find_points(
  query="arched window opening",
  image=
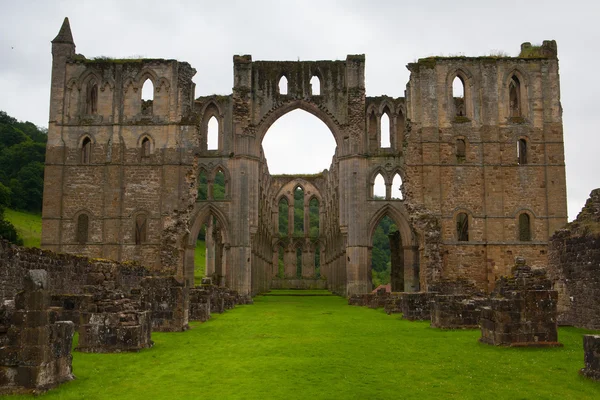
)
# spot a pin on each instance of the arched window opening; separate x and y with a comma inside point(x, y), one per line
point(300, 130)
point(147, 97)
point(397, 188)
point(458, 95)
point(379, 187)
point(83, 222)
point(524, 228)
point(202, 186)
point(283, 85)
point(461, 150)
point(280, 261)
point(315, 86)
point(313, 209)
point(140, 229)
point(283, 216)
point(514, 94)
point(462, 227)
point(92, 99)
point(385, 141)
point(317, 261)
point(522, 151)
point(212, 134)
point(382, 263)
point(218, 187)
point(299, 262)
point(145, 148)
point(86, 151)
point(298, 211)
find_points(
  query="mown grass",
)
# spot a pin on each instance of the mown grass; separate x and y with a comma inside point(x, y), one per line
point(320, 348)
point(28, 225)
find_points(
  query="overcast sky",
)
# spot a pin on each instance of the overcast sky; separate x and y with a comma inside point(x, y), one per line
point(390, 33)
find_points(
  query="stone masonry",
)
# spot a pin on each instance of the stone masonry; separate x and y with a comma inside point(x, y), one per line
point(483, 175)
point(35, 348)
point(591, 351)
point(574, 267)
point(522, 310)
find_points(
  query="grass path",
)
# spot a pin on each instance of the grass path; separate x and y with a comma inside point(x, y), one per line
point(318, 347)
point(28, 225)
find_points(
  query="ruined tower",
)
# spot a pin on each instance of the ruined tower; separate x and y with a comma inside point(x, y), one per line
point(133, 178)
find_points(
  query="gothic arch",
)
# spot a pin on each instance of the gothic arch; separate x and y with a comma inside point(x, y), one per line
point(398, 217)
point(523, 78)
point(327, 118)
point(146, 73)
point(468, 82)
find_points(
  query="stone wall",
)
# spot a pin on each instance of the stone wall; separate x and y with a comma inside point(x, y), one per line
point(591, 357)
point(35, 348)
point(67, 274)
point(574, 267)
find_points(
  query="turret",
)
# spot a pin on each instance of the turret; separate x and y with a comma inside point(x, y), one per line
point(63, 48)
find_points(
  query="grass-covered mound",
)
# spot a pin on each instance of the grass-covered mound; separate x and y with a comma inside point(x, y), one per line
point(317, 347)
point(28, 225)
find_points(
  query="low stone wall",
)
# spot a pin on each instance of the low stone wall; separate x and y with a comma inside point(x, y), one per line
point(416, 307)
point(199, 305)
point(67, 274)
point(304, 283)
point(371, 300)
point(520, 314)
point(591, 357)
point(457, 311)
point(167, 299)
point(35, 352)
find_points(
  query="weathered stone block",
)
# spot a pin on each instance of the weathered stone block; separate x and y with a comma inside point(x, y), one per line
point(591, 356)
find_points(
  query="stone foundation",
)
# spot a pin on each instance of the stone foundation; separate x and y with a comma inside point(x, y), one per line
point(591, 357)
point(416, 307)
point(522, 311)
point(36, 349)
point(168, 302)
point(456, 311)
point(199, 305)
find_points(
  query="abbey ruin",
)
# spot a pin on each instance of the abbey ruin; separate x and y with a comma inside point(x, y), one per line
point(482, 175)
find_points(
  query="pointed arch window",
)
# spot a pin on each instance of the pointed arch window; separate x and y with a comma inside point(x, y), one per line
point(202, 186)
point(92, 98)
point(283, 216)
point(514, 96)
point(81, 235)
point(315, 86)
point(522, 151)
point(218, 187)
point(212, 134)
point(458, 96)
point(462, 227)
point(461, 150)
point(379, 187)
point(299, 211)
point(86, 150)
point(146, 148)
point(283, 85)
point(524, 227)
point(140, 233)
point(384, 140)
point(397, 188)
point(147, 97)
point(313, 210)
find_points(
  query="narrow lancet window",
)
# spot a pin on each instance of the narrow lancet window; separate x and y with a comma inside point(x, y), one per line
point(315, 86)
point(524, 228)
point(147, 97)
point(212, 134)
point(83, 223)
point(283, 85)
point(92, 100)
point(461, 150)
point(397, 188)
point(140, 229)
point(458, 96)
point(379, 187)
point(218, 189)
point(522, 151)
point(145, 148)
point(385, 130)
point(86, 151)
point(514, 94)
point(462, 227)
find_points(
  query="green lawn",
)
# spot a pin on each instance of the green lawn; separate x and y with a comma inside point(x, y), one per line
point(29, 226)
point(320, 348)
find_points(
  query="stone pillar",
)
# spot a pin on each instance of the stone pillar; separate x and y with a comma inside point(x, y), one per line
point(210, 248)
point(291, 219)
point(289, 262)
point(357, 261)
